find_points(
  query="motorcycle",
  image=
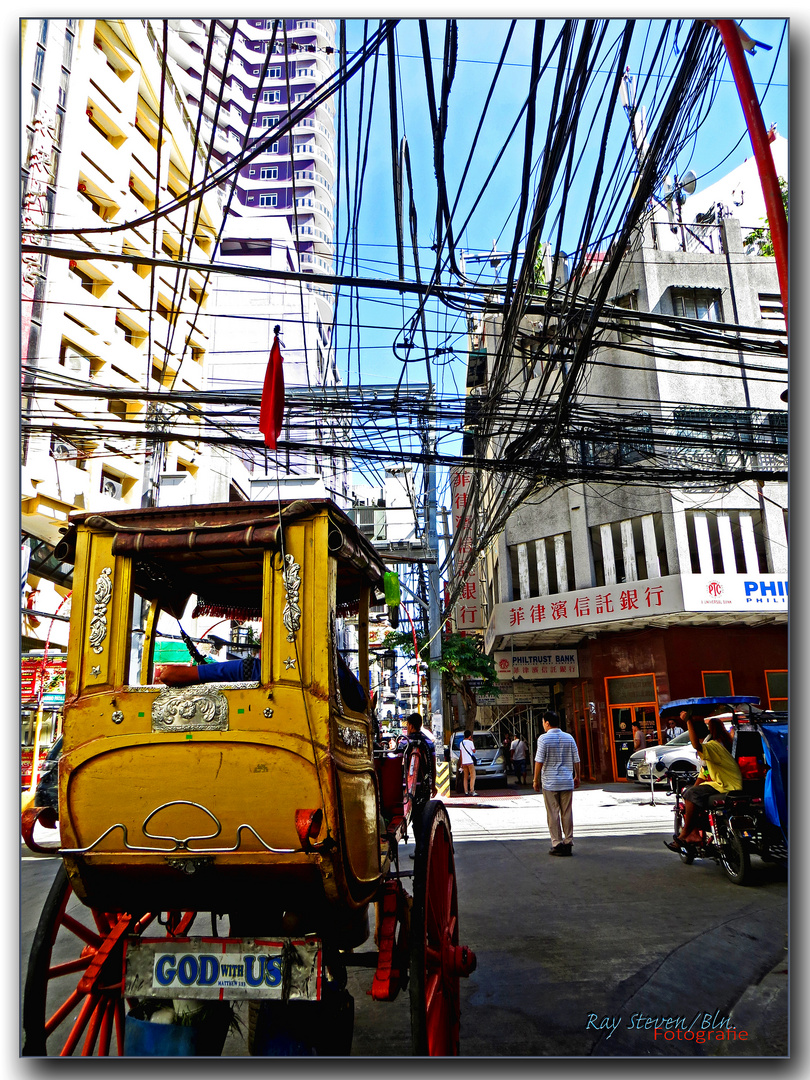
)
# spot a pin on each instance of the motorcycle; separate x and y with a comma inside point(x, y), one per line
point(753, 820)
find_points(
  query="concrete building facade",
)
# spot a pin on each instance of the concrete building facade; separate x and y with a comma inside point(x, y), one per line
point(605, 601)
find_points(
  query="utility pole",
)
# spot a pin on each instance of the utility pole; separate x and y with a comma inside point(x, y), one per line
point(434, 599)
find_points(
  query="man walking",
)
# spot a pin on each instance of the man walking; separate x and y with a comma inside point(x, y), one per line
point(557, 764)
point(520, 756)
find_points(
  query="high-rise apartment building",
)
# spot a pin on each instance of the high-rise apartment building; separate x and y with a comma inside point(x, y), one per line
point(247, 77)
point(106, 138)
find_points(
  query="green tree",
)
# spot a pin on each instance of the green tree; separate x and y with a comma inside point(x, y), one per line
point(762, 235)
point(461, 661)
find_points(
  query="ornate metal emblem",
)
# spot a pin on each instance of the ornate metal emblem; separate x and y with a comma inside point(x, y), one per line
point(95, 670)
point(289, 662)
point(268, 713)
point(292, 586)
point(98, 623)
point(117, 716)
point(351, 737)
point(190, 708)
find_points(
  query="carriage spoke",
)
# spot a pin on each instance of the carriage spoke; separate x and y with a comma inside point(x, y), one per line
point(105, 1031)
point(69, 967)
point(93, 1029)
point(79, 1026)
point(64, 1010)
point(81, 931)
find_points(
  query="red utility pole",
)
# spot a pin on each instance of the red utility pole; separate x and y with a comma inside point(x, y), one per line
point(777, 220)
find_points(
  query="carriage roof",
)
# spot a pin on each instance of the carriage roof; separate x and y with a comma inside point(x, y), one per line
point(215, 550)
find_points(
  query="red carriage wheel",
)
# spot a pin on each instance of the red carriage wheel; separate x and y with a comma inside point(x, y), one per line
point(437, 959)
point(70, 1000)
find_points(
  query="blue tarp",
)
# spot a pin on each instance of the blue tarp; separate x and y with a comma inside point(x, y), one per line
point(775, 747)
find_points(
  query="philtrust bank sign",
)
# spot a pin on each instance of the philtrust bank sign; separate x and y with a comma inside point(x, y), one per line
point(542, 664)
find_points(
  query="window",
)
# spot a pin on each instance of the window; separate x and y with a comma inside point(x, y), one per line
point(270, 121)
point(268, 200)
point(701, 304)
point(717, 683)
point(39, 64)
point(629, 302)
point(635, 439)
point(630, 689)
point(773, 432)
point(273, 148)
point(64, 78)
point(771, 310)
point(269, 172)
point(67, 49)
point(276, 72)
point(777, 683)
point(271, 95)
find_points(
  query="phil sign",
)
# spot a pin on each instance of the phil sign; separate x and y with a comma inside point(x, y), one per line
point(735, 592)
point(537, 665)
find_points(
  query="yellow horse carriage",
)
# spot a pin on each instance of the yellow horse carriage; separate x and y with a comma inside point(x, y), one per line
point(260, 802)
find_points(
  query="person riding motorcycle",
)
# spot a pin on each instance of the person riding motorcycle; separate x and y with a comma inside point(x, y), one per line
point(713, 746)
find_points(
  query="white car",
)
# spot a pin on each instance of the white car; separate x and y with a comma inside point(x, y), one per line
point(678, 752)
point(489, 755)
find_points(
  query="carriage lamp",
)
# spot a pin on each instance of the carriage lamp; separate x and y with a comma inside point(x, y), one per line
point(308, 825)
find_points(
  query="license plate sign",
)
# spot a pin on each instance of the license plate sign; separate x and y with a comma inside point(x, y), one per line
point(221, 969)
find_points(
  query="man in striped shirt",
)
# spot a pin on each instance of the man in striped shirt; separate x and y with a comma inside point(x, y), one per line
point(557, 763)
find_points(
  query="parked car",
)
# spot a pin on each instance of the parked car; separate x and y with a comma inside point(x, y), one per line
point(488, 753)
point(678, 752)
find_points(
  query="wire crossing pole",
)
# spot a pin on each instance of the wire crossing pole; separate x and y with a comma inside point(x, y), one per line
point(730, 33)
point(434, 604)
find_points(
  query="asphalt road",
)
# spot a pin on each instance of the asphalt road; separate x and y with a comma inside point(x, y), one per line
point(574, 955)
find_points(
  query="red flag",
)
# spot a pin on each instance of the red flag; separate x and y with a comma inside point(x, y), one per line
point(271, 414)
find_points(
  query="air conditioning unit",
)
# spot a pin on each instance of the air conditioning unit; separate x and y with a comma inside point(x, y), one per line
point(371, 522)
point(112, 488)
point(77, 364)
point(60, 449)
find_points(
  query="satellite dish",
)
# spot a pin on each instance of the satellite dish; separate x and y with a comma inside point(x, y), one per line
point(689, 182)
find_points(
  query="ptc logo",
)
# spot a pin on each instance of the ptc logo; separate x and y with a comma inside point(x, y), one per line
point(714, 588)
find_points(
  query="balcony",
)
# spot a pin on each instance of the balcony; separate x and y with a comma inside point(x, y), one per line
point(315, 177)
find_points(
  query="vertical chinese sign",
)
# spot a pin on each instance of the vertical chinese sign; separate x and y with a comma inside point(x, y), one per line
point(468, 612)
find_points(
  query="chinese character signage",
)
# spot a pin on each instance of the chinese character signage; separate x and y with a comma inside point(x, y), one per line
point(548, 664)
point(606, 604)
point(467, 612)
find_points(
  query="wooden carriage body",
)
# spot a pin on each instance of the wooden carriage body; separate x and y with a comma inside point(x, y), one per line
point(210, 796)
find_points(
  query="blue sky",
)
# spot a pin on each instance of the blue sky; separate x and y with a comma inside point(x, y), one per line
point(717, 146)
